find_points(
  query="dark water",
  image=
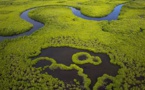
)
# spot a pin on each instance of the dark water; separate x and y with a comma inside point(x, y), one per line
point(83, 57)
point(63, 55)
point(112, 16)
point(42, 63)
point(67, 76)
point(36, 26)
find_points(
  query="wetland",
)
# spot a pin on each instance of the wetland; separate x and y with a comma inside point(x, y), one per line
point(72, 44)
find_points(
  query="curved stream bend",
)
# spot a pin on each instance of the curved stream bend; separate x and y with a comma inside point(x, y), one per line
point(37, 25)
point(112, 16)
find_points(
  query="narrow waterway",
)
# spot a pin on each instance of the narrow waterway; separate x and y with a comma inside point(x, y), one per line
point(37, 25)
point(112, 16)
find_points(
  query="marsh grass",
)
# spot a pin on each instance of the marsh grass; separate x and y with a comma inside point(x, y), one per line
point(96, 10)
point(99, 8)
point(94, 60)
point(120, 39)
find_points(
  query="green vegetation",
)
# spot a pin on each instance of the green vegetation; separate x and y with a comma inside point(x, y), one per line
point(10, 21)
point(99, 8)
point(123, 40)
point(131, 20)
point(101, 80)
point(95, 60)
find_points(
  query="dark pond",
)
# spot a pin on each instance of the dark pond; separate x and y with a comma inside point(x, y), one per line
point(67, 76)
point(64, 55)
point(42, 63)
point(112, 16)
point(83, 57)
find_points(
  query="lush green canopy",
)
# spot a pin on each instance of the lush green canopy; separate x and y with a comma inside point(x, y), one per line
point(123, 40)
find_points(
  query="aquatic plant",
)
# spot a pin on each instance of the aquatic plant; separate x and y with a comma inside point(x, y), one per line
point(95, 60)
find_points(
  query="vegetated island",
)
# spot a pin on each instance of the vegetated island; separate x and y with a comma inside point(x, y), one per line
point(35, 61)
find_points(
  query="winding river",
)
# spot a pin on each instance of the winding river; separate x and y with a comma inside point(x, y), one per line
point(37, 25)
point(112, 16)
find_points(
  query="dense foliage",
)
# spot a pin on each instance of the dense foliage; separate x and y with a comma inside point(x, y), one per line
point(123, 40)
point(99, 8)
